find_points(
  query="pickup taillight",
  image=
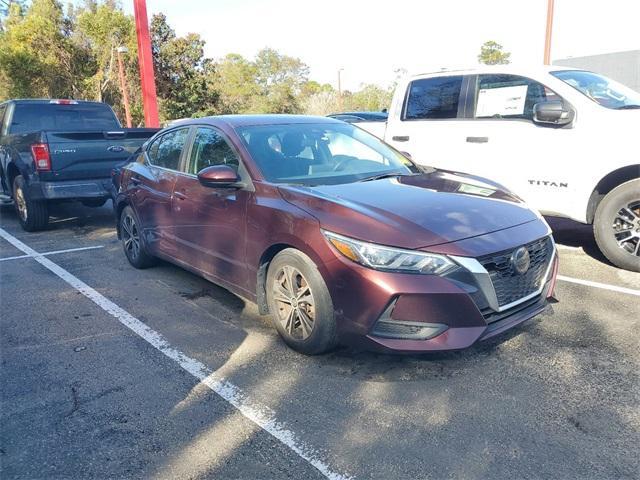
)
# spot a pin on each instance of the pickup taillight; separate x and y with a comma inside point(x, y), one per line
point(41, 157)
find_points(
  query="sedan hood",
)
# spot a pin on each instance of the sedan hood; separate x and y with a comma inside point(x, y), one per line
point(412, 211)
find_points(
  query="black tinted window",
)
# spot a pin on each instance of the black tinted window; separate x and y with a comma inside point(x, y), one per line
point(509, 96)
point(33, 117)
point(165, 151)
point(433, 98)
point(210, 148)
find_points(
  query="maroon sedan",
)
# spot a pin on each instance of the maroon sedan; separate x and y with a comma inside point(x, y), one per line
point(335, 234)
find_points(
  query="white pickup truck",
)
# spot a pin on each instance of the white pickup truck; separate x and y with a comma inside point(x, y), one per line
point(567, 141)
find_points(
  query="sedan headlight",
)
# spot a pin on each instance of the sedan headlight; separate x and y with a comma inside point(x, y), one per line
point(390, 259)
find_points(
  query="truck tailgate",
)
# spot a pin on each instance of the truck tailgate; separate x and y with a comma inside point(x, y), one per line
point(91, 155)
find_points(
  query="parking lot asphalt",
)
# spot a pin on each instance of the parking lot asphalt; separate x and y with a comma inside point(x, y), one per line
point(159, 373)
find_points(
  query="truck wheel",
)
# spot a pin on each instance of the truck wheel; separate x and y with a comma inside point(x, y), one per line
point(132, 242)
point(617, 226)
point(300, 303)
point(32, 214)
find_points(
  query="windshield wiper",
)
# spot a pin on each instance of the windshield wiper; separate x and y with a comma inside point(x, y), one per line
point(386, 175)
point(628, 107)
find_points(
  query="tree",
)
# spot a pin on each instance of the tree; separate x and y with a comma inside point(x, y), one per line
point(322, 103)
point(234, 80)
point(37, 56)
point(271, 83)
point(182, 72)
point(280, 79)
point(46, 51)
point(6, 5)
point(103, 28)
point(491, 54)
point(369, 98)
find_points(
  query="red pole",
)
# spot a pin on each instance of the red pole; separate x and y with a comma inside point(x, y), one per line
point(547, 38)
point(123, 86)
point(145, 61)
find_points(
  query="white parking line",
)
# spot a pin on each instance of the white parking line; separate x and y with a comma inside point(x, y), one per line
point(261, 415)
point(605, 286)
point(55, 252)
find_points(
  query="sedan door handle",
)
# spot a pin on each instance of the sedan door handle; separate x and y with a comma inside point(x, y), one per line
point(136, 180)
point(180, 195)
point(477, 139)
point(400, 138)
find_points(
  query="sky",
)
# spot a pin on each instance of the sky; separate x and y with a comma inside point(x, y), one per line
point(369, 40)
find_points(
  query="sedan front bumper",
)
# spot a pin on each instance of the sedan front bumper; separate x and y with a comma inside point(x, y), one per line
point(456, 312)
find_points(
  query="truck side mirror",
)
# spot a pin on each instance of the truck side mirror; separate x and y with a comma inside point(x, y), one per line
point(552, 113)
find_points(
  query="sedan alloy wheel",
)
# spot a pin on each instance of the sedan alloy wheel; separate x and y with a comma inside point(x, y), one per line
point(295, 303)
point(130, 236)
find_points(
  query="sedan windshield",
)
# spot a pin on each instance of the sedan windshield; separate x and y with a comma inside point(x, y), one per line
point(600, 89)
point(321, 154)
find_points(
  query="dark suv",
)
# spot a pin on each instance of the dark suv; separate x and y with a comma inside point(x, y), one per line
point(336, 234)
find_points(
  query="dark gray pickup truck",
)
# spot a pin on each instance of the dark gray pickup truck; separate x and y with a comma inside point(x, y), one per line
point(57, 150)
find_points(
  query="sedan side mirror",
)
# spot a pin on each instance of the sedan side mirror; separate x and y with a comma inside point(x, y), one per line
point(218, 176)
point(552, 113)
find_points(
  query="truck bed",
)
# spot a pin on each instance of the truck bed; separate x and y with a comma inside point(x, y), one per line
point(81, 155)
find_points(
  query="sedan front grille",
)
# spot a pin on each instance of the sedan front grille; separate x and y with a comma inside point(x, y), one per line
point(511, 286)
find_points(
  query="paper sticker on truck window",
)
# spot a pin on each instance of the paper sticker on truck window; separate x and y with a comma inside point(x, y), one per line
point(502, 101)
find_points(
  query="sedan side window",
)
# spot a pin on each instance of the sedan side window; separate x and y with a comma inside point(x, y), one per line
point(210, 148)
point(165, 151)
point(433, 98)
point(509, 96)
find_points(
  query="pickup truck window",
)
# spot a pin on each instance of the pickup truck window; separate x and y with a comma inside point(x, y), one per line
point(210, 148)
point(167, 149)
point(3, 109)
point(600, 89)
point(5, 121)
point(72, 117)
point(509, 96)
point(433, 98)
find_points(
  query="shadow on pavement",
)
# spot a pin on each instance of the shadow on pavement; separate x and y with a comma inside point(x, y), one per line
point(575, 234)
point(72, 215)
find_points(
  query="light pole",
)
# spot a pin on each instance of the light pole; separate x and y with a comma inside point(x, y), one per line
point(340, 89)
point(547, 38)
point(145, 61)
point(123, 84)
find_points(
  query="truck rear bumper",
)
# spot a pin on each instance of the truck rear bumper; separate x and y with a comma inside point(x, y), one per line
point(71, 189)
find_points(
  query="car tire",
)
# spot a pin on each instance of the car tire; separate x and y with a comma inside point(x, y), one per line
point(94, 202)
point(32, 214)
point(616, 226)
point(297, 293)
point(132, 242)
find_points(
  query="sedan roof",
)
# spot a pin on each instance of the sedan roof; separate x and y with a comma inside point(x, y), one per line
point(267, 119)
